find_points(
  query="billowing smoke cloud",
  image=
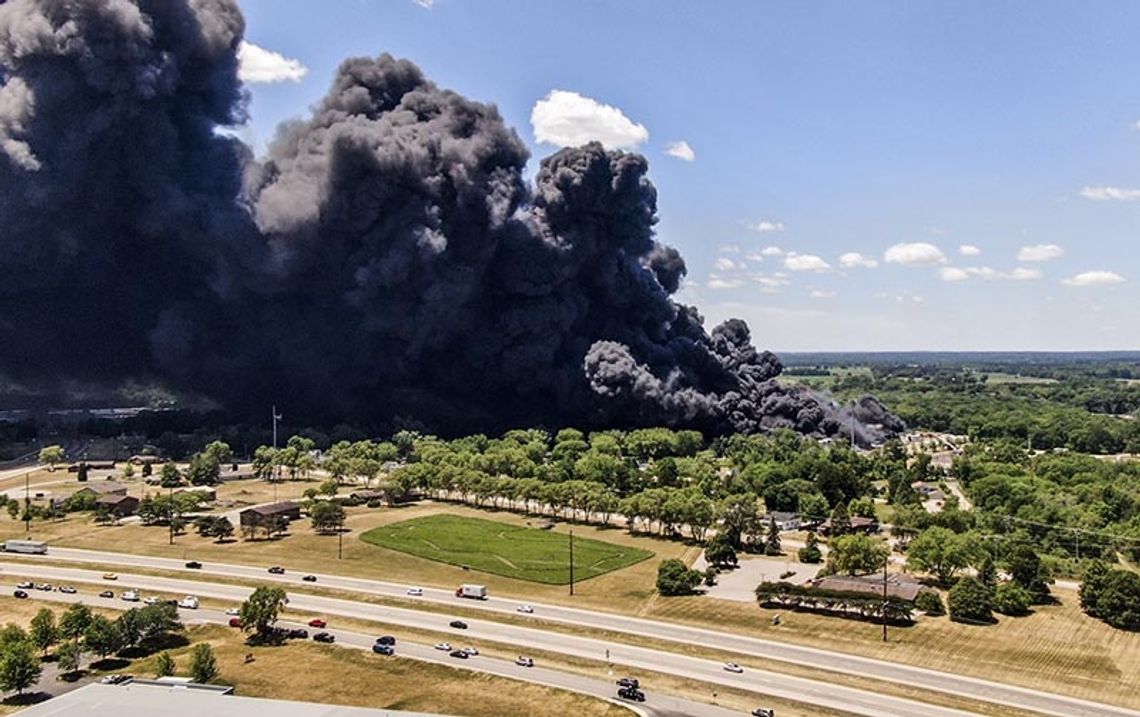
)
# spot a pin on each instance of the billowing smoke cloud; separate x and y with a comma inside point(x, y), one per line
point(385, 261)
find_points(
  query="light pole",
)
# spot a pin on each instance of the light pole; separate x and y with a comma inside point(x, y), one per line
point(27, 504)
point(885, 562)
point(571, 562)
point(170, 512)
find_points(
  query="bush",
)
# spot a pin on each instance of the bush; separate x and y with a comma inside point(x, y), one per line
point(1112, 596)
point(1012, 599)
point(969, 601)
point(810, 553)
point(930, 602)
point(674, 578)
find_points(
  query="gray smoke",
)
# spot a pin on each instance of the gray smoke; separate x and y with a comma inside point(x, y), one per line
point(385, 261)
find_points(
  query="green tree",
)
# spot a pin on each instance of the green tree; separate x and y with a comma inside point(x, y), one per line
point(102, 637)
point(1027, 570)
point(1112, 596)
point(855, 554)
point(719, 552)
point(969, 601)
point(327, 516)
point(675, 578)
point(68, 657)
point(52, 455)
point(1011, 599)
point(19, 667)
point(169, 476)
point(128, 471)
point(259, 612)
point(164, 665)
point(44, 632)
point(840, 521)
point(204, 469)
point(203, 663)
point(74, 621)
point(772, 539)
point(942, 552)
point(810, 553)
point(930, 602)
point(987, 572)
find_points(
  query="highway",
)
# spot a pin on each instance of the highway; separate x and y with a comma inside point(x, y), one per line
point(932, 680)
point(814, 692)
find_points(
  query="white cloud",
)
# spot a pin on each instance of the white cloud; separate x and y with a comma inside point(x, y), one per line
point(719, 283)
point(953, 273)
point(764, 226)
point(969, 250)
point(914, 254)
point(1094, 278)
point(821, 294)
point(567, 119)
point(854, 259)
point(1040, 252)
point(770, 284)
point(681, 150)
point(425, 4)
point(1023, 274)
point(1136, 125)
point(730, 249)
point(726, 264)
point(772, 251)
point(1102, 194)
point(256, 64)
point(805, 262)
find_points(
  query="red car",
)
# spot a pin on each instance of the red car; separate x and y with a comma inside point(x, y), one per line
point(317, 622)
point(235, 622)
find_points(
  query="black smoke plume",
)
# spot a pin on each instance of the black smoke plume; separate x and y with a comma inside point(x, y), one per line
point(386, 259)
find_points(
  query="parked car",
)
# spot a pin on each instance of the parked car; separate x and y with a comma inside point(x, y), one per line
point(445, 646)
point(310, 578)
point(20, 594)
point(233, 611)
point(297, 633)
point(235, 622)
point(524, 661)
point(383, 649)
point(324, 637)
point(763, 712)
point(317, 622)
point(525, 609)
point(25, 585)
point(68, 589)
point(733, 667)
point(115, 679)
point(629, 682)
point(459, 653)
point(194, 565)
point(386, 640)
point(458, 624)
point(107, 594)
point(416, 592)
point(471, 651)
point(110, 576)
point(277, 570)
point(631, 693)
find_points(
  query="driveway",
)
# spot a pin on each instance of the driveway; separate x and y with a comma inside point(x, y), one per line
point(740, 584)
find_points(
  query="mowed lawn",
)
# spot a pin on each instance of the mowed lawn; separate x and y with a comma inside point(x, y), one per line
point(511, 551)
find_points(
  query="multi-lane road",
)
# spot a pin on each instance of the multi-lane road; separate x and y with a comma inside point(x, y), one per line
point(817, 692)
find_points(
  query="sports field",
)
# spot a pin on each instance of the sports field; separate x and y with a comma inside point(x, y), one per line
point(492, 547)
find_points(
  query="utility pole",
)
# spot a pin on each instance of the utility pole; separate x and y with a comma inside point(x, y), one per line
point(276, 418)
point(571, 562)
point(885, 563)
point(27, 504)
point(170, 512)
point(339, 542)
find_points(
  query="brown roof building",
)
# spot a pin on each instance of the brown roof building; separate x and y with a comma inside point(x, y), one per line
point(101, 488)
point(899, 585)
point(119, 505)
point(262, 514)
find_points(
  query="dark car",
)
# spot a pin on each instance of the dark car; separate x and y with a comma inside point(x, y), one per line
point(763, 712)
point(629, 682)
point(107, 594)
point(324, 637)
point(277, 570)
point(310, 578)
point(459, 654)
point(458, 624)
point(631, 693)
point(194, 565)
point(20, 594)
point(383, 649)
point(297, 633)
point(386, 640)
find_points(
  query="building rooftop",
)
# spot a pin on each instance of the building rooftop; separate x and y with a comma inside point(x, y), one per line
point(148, 700)
point(104, 487)
point(898, 585)
point(273, 508)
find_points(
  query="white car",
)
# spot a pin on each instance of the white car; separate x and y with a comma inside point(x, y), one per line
point(733, 667)
point(524, 608)
point(189, 603)
point(148, 600)
point(25, 585)
point(445, 646)
point(234, 611)
point(68, 589)
point(470, 651)
point(524, 661)
point(131, 596)
point(416, 592)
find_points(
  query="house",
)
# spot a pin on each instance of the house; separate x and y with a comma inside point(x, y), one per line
point(785, 522)
point(367, 496)
point(263, 515)
point(859, 524)
point(119, 506)
point(205, 492)
point(899, 585)
point(927, 491)
point(98, 489)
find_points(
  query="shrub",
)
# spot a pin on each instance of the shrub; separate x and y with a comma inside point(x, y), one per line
point(969, 601)
point(930, 602)
point(674, 578)
point(1012, 599)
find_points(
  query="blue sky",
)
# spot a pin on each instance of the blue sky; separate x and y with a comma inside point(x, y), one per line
point(837, 155)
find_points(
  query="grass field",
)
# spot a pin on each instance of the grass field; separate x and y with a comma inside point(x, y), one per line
point(510, 551)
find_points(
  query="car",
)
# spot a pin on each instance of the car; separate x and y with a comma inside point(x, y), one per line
point(46, 587)
point(416, 592)
point(20, 594)
point(631, 693)
point(310, 578)
point(383, 649)
point(524, 661)
point(150, 600)
point(386, 640)
point(733, 667)
point(317, 622)
point(233, 611)
point(458, 624)
point(25, 585)
point(297, 633)
point(629, 682)
point(68, 589)
point(471, 651)
point(277, 570)
point(130, 596)
point(110, 576)
point(459, 653)
point(194, 565)
point(235, 622)
point(324, 637)
point(524, 609)
point(115, 679)
point(107, 594)
point(445, 646)
point(188, 603)
point(763, 712)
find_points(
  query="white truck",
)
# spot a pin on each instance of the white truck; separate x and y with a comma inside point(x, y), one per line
point(189, 603)
point(475, 592)
point(31, 547)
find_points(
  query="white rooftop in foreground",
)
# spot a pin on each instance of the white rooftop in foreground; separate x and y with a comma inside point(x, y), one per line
point(134, 700)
